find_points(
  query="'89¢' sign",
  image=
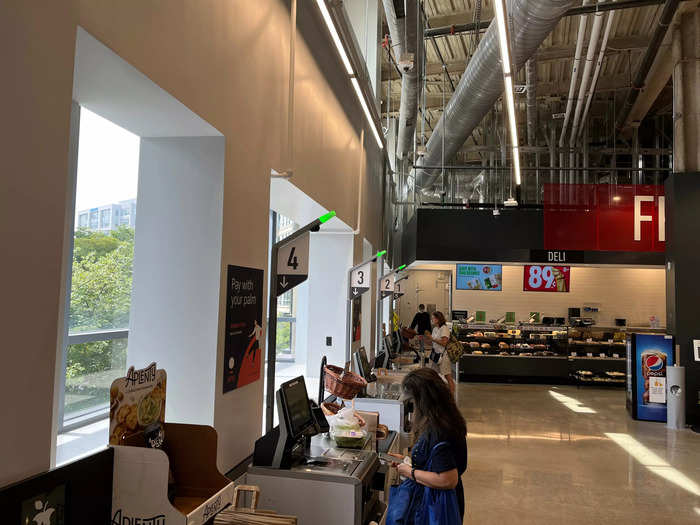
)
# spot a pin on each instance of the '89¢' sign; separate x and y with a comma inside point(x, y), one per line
point(545, 278)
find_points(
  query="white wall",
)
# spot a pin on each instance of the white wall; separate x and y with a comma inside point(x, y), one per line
point(426, 287)
point(175, 302)
point(330, 257)
point(631, 293)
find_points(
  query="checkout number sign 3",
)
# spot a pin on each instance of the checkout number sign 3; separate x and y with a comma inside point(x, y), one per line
point(292, 263)
point(360, 279)
point(388, 283)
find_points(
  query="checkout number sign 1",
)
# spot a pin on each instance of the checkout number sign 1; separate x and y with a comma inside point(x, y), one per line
point(292, 263)
point(541, 278)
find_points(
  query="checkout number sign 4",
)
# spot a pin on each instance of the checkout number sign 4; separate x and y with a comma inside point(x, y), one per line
point(292, 263)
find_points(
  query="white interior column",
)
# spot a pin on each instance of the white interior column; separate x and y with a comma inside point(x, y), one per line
point(177, 268)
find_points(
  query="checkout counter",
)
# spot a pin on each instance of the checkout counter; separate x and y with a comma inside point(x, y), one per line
point(383, 392)
point(301, 471)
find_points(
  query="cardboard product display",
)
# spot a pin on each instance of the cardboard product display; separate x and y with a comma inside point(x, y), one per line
point(187, 460)
point(136, 401)
point(236, 515)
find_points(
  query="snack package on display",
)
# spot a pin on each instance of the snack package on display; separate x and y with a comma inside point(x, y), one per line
point(136, 401)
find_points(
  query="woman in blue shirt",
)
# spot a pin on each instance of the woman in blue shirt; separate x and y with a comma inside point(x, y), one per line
point(437, 419)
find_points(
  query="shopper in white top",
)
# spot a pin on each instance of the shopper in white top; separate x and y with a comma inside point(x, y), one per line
point(439, 360)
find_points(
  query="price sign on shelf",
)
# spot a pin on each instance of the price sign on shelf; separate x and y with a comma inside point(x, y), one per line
point(545, 278)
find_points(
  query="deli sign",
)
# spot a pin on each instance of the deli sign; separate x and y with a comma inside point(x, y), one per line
point(604, 217)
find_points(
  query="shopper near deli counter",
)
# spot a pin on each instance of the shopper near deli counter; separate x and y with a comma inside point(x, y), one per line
point(439, 360)
point(439, 457)
point(421, 321)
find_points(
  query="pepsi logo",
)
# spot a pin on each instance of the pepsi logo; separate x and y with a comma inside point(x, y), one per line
point(654, 363)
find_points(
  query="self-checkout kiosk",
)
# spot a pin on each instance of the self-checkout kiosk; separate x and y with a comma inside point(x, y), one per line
point(303, 473)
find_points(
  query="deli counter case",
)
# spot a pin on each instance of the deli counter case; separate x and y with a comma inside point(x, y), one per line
point(560, 354)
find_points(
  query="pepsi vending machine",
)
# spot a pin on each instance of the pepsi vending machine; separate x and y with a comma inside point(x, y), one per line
point(648, 355)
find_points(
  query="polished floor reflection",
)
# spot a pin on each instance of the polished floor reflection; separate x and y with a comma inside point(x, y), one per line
point(558, 454)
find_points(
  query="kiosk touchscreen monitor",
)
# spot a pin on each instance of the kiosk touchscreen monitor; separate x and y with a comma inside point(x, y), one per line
point(362, 364)
point(297, 410)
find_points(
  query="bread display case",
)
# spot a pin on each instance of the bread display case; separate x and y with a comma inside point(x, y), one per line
point(593, 355)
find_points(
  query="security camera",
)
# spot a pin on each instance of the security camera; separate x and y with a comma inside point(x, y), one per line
point(407, 62)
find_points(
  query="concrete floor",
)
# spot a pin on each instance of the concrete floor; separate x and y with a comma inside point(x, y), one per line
point(544, 454)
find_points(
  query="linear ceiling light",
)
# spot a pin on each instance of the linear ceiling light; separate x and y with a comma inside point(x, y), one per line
point(503, 44)
point(335, 36)
point(361, 98)
point(348, 68)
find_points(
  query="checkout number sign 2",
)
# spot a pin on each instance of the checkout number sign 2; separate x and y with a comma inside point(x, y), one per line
point(540, 278)
point(387, 286)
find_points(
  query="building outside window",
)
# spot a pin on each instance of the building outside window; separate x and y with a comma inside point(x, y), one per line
point(102, 261)
point(105, 219)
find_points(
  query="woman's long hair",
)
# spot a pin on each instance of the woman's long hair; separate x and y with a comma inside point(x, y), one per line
point(435, 409)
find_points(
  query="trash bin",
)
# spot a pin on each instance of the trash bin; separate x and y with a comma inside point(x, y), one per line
point(675, 397)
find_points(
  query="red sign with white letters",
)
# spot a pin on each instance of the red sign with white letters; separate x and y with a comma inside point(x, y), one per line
point(543, 278)
point(604, 217)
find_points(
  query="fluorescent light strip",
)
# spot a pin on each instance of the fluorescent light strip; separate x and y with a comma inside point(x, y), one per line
point(334, 35)
point(508, 84)
point(502, 35)
point(368, 115)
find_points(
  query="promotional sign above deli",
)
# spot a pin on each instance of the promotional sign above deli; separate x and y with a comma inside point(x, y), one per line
point(604, 217)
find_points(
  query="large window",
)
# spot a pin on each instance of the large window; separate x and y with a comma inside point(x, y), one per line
point(101, 277)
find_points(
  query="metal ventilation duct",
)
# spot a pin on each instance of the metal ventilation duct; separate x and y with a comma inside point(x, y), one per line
point(412, 46)
point(482, 82)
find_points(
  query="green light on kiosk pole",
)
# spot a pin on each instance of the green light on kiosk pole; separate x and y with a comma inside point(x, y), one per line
point(379, 254)
point(401, 267)
point(327, 217)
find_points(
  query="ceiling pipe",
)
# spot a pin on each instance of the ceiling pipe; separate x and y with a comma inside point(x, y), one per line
point(394, 33)
point(412, 45)
point(657, 38)
point(574, 78)
point(574, 11)
point(598, 67)
point(482, 82)
point(531, 82)
point(590, 55)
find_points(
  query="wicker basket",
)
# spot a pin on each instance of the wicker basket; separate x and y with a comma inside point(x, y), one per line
point(342, 384)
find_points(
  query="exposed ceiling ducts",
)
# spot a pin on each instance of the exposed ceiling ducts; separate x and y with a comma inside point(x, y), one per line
point(482, 82)
point(407, 44)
